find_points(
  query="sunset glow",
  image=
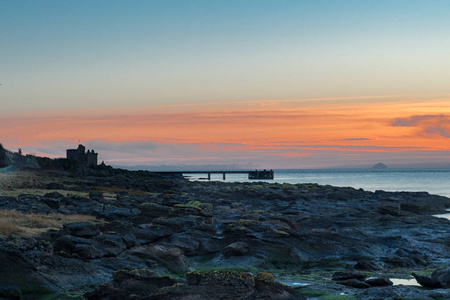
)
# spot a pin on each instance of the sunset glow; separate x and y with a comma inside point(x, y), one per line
point(281, 133)
point(262, 84)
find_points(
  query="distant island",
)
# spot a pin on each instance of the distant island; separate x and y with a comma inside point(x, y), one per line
point(380, 166)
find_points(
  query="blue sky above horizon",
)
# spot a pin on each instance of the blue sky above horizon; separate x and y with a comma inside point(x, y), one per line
point(110, 59)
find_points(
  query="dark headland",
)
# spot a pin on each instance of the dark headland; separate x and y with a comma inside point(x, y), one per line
point(380, 166)
point(70, 231)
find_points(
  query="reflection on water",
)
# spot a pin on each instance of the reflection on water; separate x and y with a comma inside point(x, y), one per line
point(411, 281)
point(445, 216)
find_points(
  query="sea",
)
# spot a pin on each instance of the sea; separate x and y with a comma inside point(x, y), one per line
point(433, 181)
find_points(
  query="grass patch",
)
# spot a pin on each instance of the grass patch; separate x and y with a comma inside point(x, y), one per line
point(14, 222)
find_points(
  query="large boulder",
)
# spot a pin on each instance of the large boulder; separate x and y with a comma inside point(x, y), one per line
point(236, 249)
point(440, 278)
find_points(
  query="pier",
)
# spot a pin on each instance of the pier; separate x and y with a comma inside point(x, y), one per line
point(255, 175)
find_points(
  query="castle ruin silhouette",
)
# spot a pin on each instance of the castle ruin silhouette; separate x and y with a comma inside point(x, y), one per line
point(80, 154)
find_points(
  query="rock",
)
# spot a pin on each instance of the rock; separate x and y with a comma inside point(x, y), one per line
point(223, 284)
point(378, 281)
point(188, 244)
point(54, 186)
point(236, 249)
point(141, 282)
point(146, 233)
point(10, 292)
point(82, 229)
point(96, 195)
point(355, 283)
point(426, 281)
point(150, 211)
point(111, 244)
point(366, 265)
point(340, 276)
point(106, 291)
point(166, 254)
point(131, 284)
point(442, 276)
point(72, 245)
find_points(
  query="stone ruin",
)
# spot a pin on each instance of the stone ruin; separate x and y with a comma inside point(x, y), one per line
point(80, 154)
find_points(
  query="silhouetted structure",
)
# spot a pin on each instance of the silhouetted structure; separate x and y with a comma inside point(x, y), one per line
point(80, 154)
point(251, 174)
point(260, 174)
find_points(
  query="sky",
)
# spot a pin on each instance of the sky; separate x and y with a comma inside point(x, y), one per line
point(228, 84)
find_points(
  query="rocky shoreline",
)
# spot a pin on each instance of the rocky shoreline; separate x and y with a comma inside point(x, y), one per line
point(157, 237)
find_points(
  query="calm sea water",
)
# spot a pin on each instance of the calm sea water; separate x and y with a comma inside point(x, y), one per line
point(433, 181)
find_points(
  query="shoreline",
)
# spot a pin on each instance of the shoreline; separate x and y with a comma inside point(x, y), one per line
point(296, 232)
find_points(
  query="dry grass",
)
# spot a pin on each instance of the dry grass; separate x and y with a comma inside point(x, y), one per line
point(7, 228)
point(13, 222)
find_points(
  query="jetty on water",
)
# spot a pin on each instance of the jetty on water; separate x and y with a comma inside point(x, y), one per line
point(255, 175)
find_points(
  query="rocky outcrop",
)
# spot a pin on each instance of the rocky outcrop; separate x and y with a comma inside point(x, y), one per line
point(150, 227)
point(220, 285)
